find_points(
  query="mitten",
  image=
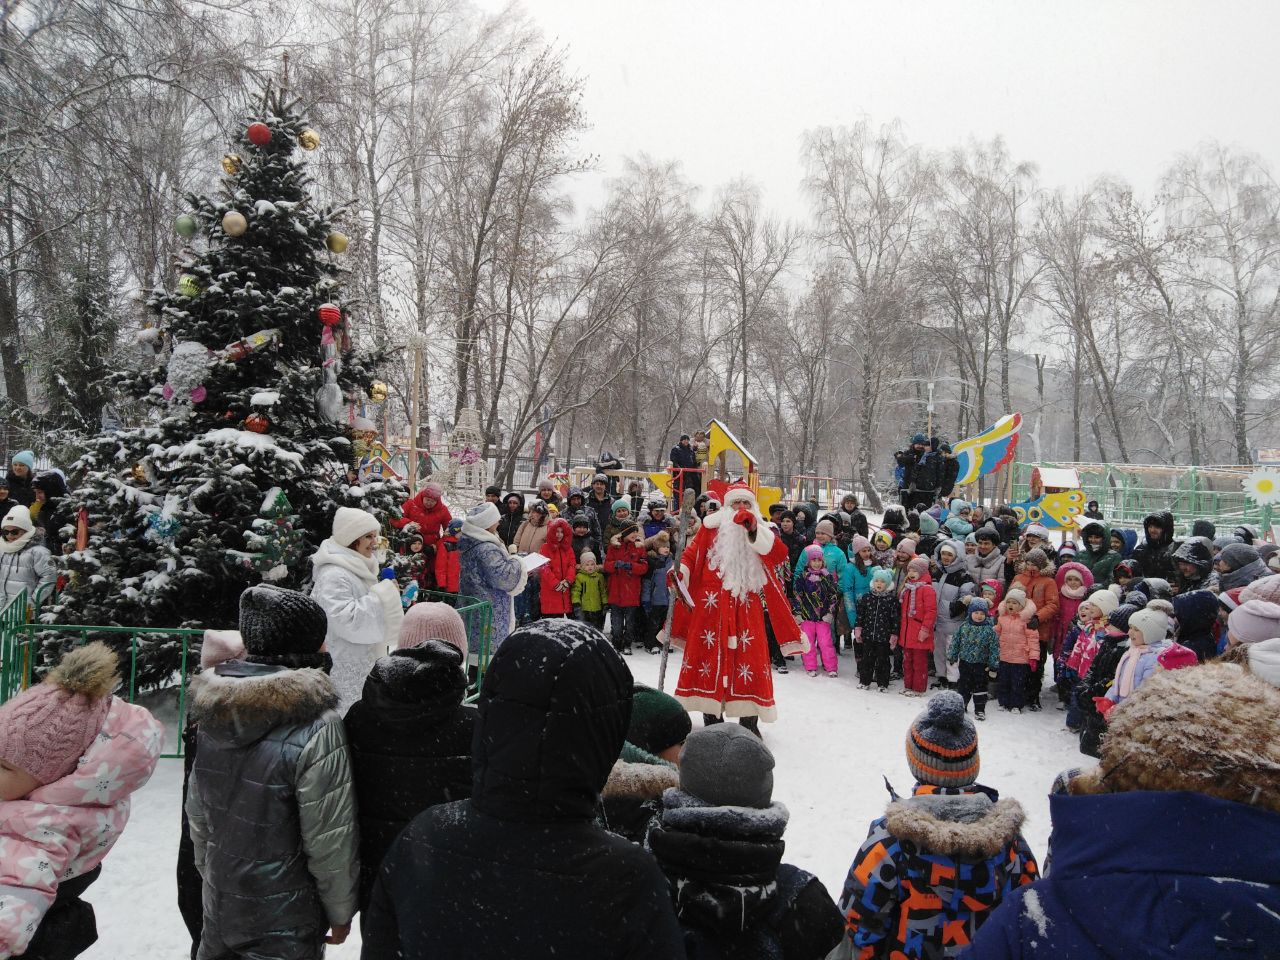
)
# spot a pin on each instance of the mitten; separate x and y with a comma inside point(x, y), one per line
point(1104, 706)
point(747, 519)
point(1034, 622)
point(1033, 664)
point(386, 573)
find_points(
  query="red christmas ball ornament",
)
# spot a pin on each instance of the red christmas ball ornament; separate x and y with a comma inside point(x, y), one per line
point(330, 314)
point(256, 423)
point(259, 134)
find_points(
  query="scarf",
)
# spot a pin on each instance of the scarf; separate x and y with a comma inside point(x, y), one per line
point(911, 587)
point(1073, 594)
point(334, 554)
point(1242, 576)
point(17, 546)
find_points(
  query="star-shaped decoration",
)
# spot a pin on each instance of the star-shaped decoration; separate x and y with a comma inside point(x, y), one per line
point(745, 639)
point(704, 670)
point(709, 638)
point(744, 673)
point(710, 600)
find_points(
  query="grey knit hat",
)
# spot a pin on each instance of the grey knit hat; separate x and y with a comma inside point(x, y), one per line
point(280, 623)
point(726, 766)
point(942, 744)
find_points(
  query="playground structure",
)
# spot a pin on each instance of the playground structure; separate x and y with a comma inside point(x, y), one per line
point(1127, 493)
point(720, 444)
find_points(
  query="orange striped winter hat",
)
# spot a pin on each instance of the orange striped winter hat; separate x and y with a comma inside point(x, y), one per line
point(942, 744)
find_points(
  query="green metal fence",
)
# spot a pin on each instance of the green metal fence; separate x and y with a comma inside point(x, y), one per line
point(1129, 492)
point(20, 642)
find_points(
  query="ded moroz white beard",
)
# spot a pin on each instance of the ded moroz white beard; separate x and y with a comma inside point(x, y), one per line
point(733, 557)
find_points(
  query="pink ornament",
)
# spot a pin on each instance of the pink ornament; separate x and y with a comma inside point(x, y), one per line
point(198, 394)
point(168, 392)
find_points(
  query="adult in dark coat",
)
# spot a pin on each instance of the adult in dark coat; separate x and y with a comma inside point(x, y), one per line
point(57, 516)
point(1155, 554)
point(520, 869)
point(1170, 847)
point(1099, 678)
point(21, 478)
point(410, 740)
point(600, 504)
point(684, 457)
point(512, 517)
point(719, 841)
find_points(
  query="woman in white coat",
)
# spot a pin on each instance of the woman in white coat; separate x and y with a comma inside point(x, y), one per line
point(364, 612)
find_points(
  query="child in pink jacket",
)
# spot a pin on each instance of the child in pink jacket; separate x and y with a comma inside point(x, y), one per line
point(71, 755)
point(1019, 649)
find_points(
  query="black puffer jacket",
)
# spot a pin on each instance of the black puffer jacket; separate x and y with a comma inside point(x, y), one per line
point(410, 742)
point(734, 896)
point(520, 869)
point(511, 519)
point(1155, 557)
point(1095, 684)
point(271, 810)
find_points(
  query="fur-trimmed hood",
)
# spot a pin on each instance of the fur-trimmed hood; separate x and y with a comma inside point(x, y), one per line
point(1026, 613)
point(684, 811)
point(639, 781)
point(964, 826)
point(241, 702)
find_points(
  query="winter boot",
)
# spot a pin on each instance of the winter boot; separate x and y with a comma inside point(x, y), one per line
point(752, 724)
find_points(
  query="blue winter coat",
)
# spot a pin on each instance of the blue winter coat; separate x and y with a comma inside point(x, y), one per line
point(487, 571)
point(853, 585)
point(1147, 874)
point(654, 591)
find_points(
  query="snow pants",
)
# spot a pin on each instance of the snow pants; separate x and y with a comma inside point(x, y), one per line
point(943, 631)
point(1011, 684)
point(819, 634)
point(873, 662)
point(973, 683)
point(915, 669)
point(625, 626)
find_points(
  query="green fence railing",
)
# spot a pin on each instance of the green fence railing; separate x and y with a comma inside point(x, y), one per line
point(20, 642)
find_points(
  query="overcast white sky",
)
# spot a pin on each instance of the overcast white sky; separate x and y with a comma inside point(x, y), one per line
point(1080, 88)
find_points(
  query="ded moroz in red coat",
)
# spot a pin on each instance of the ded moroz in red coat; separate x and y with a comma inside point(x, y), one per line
point(726, 669)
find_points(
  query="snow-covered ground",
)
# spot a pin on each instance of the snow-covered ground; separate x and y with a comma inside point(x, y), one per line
point(833, 742)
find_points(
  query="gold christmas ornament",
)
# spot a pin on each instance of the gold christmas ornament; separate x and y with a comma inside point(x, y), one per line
point(337, 242)
point(378, 391)
point(234, 224)
point(231, 164)
point(308, 139)
point(139, 474)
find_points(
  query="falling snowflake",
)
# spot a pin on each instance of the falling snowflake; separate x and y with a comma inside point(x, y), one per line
point(710, 600)
point(744, 673)
point(709, 638)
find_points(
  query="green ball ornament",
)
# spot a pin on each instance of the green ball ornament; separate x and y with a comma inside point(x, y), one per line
point(185, 226)
point(188, 285)
point(234, 223)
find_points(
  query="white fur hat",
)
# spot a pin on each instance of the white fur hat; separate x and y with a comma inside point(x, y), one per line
point(350, 524)
point(484, 516)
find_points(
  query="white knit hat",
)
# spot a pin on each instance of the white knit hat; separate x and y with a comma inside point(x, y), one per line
point(1104, 600)
point(350, 524)
point(20, 517)
point(1153, 624)
point(484, 516)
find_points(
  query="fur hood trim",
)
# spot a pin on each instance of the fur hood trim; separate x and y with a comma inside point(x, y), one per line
point(966, 826)
point(642, 781)
point(242, 701)
point(1026, 613)
point(684, 811)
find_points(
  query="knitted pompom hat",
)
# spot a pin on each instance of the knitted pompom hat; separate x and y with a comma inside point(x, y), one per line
point(1151, 623)
point(350, 524)
point(1119, 617)
point(658, 721)
point(942, 744)
point(883, 574)
point(1104, 600)
point(46, 729)
point(278, 625)
point(813, 550)
point(919, 564)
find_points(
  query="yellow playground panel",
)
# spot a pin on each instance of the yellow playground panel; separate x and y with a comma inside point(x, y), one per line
point(720, 443)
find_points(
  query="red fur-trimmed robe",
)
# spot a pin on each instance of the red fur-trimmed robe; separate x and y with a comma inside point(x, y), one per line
point(726, 669)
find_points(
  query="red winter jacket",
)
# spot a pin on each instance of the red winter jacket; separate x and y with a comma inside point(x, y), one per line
point(431, 522)
point(561, 567)
point(448, 564)
point(916, 629)
point(624, 585)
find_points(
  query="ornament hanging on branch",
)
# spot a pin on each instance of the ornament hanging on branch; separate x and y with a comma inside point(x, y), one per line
point(275, 540)
point(234, 223)
point(257, 423)
point(330, 314)
point(185, 226)
point(231, 164)
point(337, 242)
point(378, 392)
point(189, 286)
point(259, 134)
point(250, 344)
point(308, 139)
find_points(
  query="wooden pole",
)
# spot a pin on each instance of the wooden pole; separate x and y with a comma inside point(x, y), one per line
point(415, 418)
point(682, 538)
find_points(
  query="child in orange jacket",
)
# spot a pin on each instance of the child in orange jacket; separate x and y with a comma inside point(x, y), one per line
point(919, 604)
point(1019, 649)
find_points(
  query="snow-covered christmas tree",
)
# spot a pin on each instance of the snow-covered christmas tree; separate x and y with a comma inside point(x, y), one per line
point(245, 458)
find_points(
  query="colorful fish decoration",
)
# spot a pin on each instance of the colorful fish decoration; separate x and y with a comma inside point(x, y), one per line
point(1054, 511)
point(988, 451)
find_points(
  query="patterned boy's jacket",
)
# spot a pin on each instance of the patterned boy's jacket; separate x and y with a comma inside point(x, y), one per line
point(975, 643)
point(65, 828)
point(931, 871)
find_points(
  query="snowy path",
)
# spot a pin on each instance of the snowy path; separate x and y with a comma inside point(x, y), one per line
point(833, 744)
